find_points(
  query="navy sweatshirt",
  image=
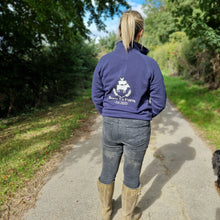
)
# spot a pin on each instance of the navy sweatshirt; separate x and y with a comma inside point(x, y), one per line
point(128, 84)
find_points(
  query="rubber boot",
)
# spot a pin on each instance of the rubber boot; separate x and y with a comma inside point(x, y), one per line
point(105, 196)
point(129, 201)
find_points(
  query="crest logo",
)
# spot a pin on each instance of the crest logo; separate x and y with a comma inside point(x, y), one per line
point(123, 89)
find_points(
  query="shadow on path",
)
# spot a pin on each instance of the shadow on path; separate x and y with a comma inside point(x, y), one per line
point(217, 217)
point(168, 161)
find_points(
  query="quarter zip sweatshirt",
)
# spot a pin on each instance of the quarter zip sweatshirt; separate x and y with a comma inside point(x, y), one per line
point(128, 84)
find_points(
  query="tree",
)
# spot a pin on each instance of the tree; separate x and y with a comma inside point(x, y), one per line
point(109, 42)
point(26, 24)
point(159, 23)
point(32, 32)
point(199, 19)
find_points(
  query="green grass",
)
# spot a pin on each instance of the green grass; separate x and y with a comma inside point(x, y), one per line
point(198, 104)
point(26, 142)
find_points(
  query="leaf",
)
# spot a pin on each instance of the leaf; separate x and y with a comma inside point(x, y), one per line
point(4, 177)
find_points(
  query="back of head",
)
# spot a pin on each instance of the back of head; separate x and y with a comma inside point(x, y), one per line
point(131, 24)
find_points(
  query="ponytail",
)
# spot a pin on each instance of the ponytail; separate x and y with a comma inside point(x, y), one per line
point(131, 24)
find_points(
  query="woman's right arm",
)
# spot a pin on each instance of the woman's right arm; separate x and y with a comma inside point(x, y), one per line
point(97, 89)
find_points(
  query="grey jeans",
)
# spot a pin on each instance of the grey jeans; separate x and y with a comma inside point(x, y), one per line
point(128, 137)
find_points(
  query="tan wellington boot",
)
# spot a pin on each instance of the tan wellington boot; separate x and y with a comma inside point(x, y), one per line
point(105, 196)
point(129, 201)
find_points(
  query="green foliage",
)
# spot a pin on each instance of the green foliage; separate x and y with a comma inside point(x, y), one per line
point(193, 62)
point(46, 76)
point(29, 22)
point(195, 56)
point(166, 54)
point(199, 19)
point(108, 43)
point(43, 51)
point(184, 57)
point(159, 23)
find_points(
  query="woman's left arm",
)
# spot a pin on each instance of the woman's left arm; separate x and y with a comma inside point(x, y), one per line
point(157, 91)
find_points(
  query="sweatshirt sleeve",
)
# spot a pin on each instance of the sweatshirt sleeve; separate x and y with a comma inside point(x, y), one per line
point(97, 89)
point(157, 91)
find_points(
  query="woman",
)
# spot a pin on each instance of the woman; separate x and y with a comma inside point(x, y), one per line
point(128, 91)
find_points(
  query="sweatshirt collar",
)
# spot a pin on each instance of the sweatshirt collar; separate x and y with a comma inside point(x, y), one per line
point(137, 46)
point(141, 48)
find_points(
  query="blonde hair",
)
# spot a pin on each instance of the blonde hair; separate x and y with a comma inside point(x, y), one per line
point(131, 23)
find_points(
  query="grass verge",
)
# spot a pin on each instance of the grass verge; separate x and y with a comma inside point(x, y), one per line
point(198, 104)
point(26, 142)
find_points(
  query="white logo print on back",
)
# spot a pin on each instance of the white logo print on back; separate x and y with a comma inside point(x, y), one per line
point(123, 89)
point(122, 92)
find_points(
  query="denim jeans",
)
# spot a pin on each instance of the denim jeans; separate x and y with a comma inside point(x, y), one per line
point(128, 137)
